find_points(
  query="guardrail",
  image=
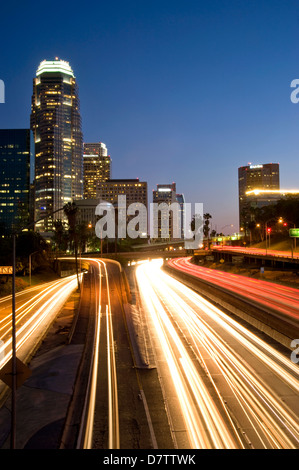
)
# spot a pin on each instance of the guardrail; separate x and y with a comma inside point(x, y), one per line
point(275, 325)
point(272, 257)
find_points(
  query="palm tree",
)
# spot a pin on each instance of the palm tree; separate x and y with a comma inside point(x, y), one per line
point(58, 235)
point(206, 227)
point(83, 232)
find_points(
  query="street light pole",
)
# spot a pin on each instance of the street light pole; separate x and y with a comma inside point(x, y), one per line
point(293, 240)
point(14, 356)
point(13, 333)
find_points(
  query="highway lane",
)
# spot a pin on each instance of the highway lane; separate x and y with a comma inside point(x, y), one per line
point(257, 251)
point(280, 298)
point(224, 386)
point(101, 408)
point(110, 366)
point(36, 308)
point(115, 415)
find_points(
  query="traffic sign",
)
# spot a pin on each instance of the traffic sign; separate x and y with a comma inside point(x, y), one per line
point(5, 269)
point(294, 232)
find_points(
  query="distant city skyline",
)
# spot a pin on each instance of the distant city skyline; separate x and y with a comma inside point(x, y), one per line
point(178, 91)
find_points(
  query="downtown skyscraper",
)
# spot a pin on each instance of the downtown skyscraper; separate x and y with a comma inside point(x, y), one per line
point(56, 125)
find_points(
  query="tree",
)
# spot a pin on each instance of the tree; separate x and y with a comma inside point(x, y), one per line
point(84, 234)
point(59, 235)
point(288, 209)
point(206, 227)
point(196, 222)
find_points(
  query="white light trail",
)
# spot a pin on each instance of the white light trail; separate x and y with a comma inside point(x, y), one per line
point(90, 405)
point(33, 314)
point(206, 427)
point(215, 335)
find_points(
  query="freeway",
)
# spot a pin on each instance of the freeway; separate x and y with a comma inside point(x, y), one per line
point(257, 251)
point(224, 387)
point(102, 394)
point(280, 298)
point(115, 414)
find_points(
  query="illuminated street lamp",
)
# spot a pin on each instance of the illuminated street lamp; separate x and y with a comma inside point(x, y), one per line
point(286, 222)
point(280, 221)
point(293, 240)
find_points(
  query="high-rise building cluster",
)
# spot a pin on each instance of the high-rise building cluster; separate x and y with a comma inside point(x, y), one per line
point(48, 165)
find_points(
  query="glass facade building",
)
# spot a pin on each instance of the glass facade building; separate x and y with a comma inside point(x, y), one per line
point(56, 125)
point(16, 178)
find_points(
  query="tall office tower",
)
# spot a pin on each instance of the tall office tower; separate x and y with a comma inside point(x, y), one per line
point(164, 220)
point(97, 168)
point(56, 125)
point(253, 177)
point(16, 177)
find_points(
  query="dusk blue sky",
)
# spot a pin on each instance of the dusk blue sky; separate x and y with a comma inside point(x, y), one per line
point(183, 91)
